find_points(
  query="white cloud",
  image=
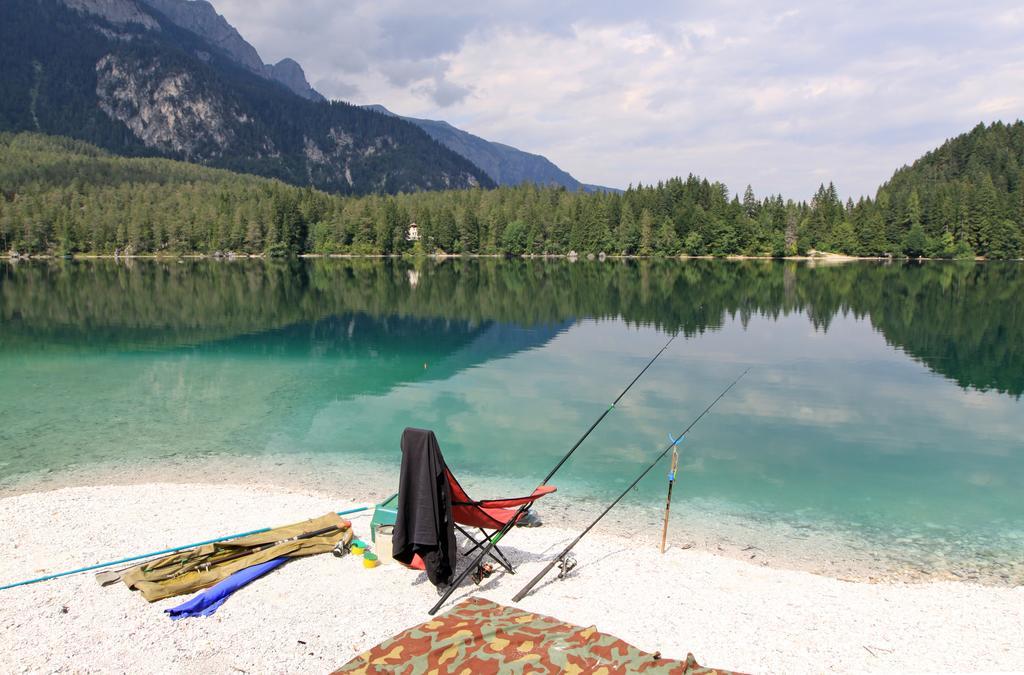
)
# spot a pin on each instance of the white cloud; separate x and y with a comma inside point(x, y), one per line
point(999, 105)
point(770, 94)
point(1012, 18)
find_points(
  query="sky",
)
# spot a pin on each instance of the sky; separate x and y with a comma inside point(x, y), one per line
point(779, 95)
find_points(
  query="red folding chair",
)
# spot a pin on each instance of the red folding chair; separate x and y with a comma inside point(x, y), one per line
point(487, 514)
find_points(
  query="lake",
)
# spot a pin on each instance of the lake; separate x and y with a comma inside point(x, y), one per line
point(878, 430)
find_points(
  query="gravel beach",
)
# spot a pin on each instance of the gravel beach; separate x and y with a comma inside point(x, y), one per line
point(729, 613)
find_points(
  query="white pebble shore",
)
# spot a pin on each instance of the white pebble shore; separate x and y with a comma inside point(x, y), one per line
point(313, 615)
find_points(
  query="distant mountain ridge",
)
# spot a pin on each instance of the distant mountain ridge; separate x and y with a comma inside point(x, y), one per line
point(505, 164)
point(177, 110)
point(125, 76)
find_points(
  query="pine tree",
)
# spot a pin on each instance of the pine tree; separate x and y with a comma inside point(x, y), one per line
point(750, 205)
point(646, 233)
point(444, 230)
point(253, 235)
point(792, 230)
point(694, 244)
point(577, 227)
point(983, 214)
point(872, 235)
point(1005, 240)
point(469, 231)
point(666, 241)
point(1019, 216)
point(6, 223)
point(915, 243)
point(947, 245)
point(961, 227)
point(913, 210)
point(514, 238)
point(844, 239)
point(628, 232)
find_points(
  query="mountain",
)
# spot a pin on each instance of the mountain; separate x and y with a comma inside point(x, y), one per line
point(199, 17)
point(124, 76)
point(503, 163)
point(970, 190)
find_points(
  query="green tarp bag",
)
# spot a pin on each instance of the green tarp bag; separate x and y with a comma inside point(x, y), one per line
point(199, 568)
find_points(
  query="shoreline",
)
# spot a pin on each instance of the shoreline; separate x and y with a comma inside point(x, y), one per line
point(316, 613)
point(820, 256)
point(822, 549)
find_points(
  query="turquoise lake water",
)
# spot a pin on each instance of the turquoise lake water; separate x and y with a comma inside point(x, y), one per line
point(883, 400)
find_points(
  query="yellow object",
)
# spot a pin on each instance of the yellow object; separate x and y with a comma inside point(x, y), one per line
point(369, 560)
point(357, 550)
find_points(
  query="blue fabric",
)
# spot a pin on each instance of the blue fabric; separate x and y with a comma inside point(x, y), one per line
point(207, 602)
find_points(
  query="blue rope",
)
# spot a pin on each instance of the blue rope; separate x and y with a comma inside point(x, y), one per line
point(166, 551)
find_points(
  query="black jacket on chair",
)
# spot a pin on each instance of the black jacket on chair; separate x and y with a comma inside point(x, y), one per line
point(424, 523)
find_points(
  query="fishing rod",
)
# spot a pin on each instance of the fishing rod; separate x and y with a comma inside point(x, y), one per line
point(561, 556)
point(154, 554)
point(245, 552)
point(494, 539)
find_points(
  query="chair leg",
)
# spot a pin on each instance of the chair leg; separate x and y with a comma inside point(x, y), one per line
point(499, 558)
point(497, 551)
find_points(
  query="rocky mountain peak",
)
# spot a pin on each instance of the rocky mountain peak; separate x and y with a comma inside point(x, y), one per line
point(118, 12)
point(289, 73)
point(378, 108)
point(201, 18)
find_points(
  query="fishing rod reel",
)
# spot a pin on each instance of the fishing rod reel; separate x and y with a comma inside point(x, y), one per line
point(565, 565)
point(481, 572)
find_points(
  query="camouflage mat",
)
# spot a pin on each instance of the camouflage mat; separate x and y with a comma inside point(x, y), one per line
point(479, 636)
